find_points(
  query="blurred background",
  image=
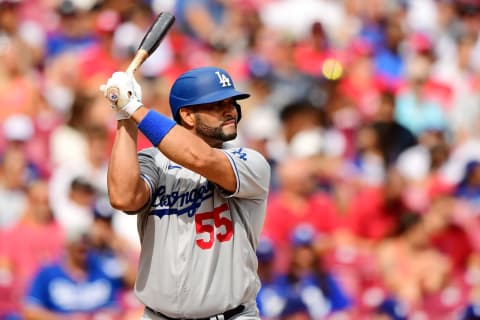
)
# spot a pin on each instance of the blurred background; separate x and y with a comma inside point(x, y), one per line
point(367, 110)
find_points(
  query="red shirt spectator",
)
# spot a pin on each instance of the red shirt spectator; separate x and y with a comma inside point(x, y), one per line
point(29, 246)
point(297, 202)
point(284, 215)
point(372, 216)
point(97, 62)
point(454, 242)
point(33, 241)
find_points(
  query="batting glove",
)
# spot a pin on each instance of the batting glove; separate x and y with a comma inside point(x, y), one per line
point(129, 94)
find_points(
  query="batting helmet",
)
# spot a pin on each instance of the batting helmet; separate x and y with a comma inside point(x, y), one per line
point(203, 85)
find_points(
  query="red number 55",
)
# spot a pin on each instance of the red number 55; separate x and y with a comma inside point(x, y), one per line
point(210, 224)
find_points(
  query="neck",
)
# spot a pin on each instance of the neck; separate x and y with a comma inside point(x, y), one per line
point(214, 143)
point(76, 269)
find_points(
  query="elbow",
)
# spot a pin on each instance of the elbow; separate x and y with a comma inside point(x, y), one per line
point(128, 196)
point(118, 203)
point(122, 202)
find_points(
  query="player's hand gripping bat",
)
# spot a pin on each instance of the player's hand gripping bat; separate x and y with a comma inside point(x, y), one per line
point(150, 42)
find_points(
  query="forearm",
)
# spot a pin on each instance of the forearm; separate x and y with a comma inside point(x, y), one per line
point(187, 149)
point(124, 182)
point(192, 152)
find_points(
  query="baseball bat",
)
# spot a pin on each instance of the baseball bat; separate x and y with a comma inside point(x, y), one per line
point(150, 42)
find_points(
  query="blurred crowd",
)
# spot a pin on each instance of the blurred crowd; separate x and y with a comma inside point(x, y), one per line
point(367, 110)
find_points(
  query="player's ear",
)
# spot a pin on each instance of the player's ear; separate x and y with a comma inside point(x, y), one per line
point(187, 116)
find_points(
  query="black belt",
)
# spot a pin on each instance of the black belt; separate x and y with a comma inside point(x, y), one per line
point(221, 316)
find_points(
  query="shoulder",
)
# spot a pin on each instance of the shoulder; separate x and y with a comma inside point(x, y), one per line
point(152, 155)
point(149, 152)
point(49, 271)
point(246, 154)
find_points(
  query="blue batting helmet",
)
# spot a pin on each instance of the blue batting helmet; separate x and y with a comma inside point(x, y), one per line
point(203, 85)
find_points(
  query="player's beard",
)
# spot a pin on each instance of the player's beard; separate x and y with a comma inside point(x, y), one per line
point(217, 134)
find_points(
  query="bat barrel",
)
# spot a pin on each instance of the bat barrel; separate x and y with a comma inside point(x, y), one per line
point(148, 45)
point(157, 32)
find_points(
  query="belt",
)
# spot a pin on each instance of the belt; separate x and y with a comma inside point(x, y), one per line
point(221, 316)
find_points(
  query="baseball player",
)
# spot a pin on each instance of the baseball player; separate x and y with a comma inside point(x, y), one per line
point(200, 204)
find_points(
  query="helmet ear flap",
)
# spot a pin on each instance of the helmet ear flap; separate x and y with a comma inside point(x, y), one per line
point(239, 110)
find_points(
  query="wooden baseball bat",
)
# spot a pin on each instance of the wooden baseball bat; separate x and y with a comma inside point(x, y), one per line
point(150, 42)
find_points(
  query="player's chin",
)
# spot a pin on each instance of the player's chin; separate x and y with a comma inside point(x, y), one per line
point(229, 135)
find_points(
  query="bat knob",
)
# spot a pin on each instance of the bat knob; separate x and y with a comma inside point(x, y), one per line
point(113, 97)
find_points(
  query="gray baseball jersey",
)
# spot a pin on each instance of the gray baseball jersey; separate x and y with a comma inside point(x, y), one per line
point(198, 242)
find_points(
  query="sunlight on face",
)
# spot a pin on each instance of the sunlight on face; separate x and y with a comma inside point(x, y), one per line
point(216, 121)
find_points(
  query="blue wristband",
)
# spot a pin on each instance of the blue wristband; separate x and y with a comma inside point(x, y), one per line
point(155, 126)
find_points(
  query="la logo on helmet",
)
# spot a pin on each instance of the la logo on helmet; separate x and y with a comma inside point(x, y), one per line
point(223, 79)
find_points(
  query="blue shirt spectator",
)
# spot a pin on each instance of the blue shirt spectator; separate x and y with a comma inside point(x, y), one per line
point(272, 296)
point(57, 290)
point(468, 188)
point(76, 285)
point(317, 287)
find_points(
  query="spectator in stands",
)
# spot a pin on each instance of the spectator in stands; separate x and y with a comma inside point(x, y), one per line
point(74, 31)
point(87, 174)
point(117, 256)
point(34, 240)
point(260, 130)
point(318, 288)
point(297, 201)
point(368, 164)
point(75, 287)
point(312, 51)
point(207, 21)
point(19, 90)
point(294, 118)
point(14, 26)
point(99, 60)
point(288, 84)
point(13, 183)
point(394, 138)
point(458, 74)
point(410, 266)
point(470, 313)
point(388, 57)
point(9, 19)
point(18, 133)
point(273, 294)
point(447, 231)
point(73, 207)
point(295, 309)
point(423, 166)
point(468, 189)
point(360, 85)
point(416, 108)
point(374, 211)
point(67, 142)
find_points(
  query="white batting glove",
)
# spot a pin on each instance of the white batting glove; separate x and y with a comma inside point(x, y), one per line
point(129, 94)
